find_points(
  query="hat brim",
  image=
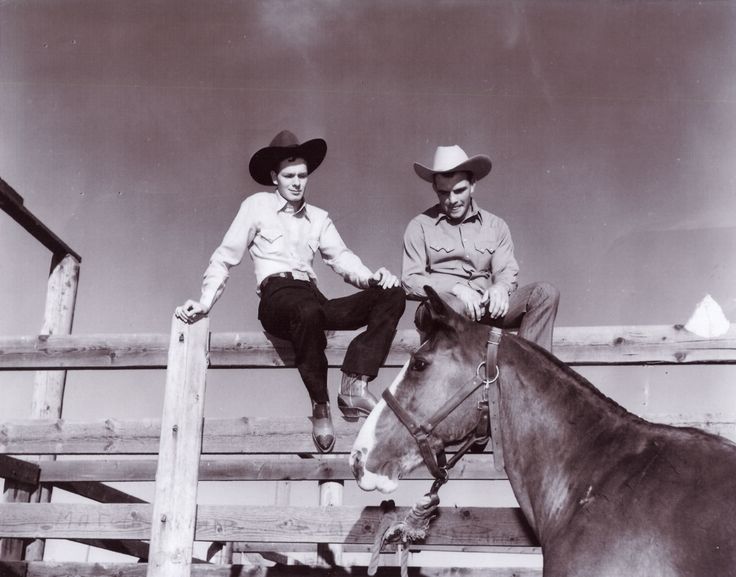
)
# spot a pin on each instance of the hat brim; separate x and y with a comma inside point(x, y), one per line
point(479, 166)
point(267, 159)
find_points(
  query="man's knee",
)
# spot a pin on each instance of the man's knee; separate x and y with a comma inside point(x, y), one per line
point(397, 299)
point(545, 294)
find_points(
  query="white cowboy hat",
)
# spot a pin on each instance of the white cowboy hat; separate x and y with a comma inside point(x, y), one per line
point(454, 159)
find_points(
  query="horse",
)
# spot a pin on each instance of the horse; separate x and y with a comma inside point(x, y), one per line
point(607, 493)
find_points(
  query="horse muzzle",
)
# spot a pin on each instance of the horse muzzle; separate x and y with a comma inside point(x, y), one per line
point(367, 480)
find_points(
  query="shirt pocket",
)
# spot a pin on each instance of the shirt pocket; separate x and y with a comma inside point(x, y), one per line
point(313, 245)
point(441, 247)
point(271, 240)
point(485, 247)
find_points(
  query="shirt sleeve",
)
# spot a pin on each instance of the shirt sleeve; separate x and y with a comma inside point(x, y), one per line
point(230, 253)
point(503, 263)
point(414, 273)
point(340, 258)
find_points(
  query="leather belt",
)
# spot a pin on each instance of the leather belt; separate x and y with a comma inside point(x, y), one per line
point(288, 275)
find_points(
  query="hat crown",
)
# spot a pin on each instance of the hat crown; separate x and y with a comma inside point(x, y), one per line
point(285, 139)
point(447, 158)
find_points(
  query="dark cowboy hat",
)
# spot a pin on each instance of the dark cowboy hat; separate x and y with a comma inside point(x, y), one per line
point(454, 159)
point(285, 145)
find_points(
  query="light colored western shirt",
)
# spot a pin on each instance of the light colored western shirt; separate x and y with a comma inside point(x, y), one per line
point(476, 252)
point(280, 240)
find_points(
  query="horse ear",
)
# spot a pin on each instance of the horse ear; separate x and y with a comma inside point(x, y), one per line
point(440, 311)
point(438, 307)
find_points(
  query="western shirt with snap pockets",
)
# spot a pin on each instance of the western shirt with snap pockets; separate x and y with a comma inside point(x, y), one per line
point(476, 252)
point(280, 240)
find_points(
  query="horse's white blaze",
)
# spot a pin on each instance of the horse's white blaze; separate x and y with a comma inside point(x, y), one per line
point(365, 442)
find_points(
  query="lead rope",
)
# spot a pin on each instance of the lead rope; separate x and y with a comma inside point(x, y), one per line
point(413, 528)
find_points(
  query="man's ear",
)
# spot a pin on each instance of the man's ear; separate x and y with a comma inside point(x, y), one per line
point(273, 177)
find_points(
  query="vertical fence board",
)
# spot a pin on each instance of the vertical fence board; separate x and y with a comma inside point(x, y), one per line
point(48, 389)
point(175, 504)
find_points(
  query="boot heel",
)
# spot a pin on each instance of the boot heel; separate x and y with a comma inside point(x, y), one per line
point(350, 414)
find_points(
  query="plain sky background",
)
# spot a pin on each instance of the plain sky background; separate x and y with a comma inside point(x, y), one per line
point(127, 127)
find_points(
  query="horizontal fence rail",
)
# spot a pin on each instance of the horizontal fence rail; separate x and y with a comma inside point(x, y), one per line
point(48, 569)
point(609, 345)
point(247, 435)
point(461, 526)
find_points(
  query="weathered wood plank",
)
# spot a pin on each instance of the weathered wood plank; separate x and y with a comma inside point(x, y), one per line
point(607, 345)
point(247, 435)
point(175, 501)
point(48, 386)
point(284, 468)
point(461, 526)
point(51, 569)
point(12, 203)
point(18, 470)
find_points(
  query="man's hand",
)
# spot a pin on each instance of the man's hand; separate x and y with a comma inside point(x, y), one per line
point(384, 279)
point(472, 304)
point(496, 301)
point(191, 311)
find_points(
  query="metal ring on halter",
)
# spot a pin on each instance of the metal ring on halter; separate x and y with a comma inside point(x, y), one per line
point(486, 379)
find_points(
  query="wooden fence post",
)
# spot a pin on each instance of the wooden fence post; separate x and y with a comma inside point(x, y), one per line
point(48, 390)
point(330, 495)
point(175, 505)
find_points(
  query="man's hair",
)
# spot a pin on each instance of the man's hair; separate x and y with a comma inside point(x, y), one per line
point(469, 175)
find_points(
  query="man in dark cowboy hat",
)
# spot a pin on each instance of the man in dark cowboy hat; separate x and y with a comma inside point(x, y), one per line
point(466, 254)
point(282, 233)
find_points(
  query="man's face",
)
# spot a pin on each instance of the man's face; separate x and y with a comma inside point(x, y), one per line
point(454, 192)
point(291, 179)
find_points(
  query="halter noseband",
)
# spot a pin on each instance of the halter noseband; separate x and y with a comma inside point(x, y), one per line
point(437, 463)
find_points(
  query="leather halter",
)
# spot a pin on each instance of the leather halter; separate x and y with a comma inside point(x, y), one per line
point(437, 463)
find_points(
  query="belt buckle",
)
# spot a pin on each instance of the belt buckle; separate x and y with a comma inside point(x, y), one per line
point(300, 275)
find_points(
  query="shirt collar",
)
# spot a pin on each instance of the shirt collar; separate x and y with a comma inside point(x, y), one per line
point(474, 213)
point(281, 204)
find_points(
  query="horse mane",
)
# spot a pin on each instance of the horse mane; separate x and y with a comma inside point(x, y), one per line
point(556, 369)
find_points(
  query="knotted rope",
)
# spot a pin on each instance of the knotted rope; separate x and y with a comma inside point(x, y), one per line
point(413, 528)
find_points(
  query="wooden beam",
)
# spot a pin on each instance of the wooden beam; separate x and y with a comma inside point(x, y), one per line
point(457, 526)
point(51, 569)
point(247, 435)
point(175, 501)
point(19, 471)
point(279, 468)
point(12, 203)
point(48, 386)
point(577, 346)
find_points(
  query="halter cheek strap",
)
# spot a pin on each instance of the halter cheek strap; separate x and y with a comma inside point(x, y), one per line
point(437, 462)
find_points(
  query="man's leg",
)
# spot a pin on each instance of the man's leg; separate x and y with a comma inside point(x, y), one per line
point(532, 309)
point(379, 310)
point(292, 310)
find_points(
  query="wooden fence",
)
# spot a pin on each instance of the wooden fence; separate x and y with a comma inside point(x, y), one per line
point(190, 448)
point(270, 449)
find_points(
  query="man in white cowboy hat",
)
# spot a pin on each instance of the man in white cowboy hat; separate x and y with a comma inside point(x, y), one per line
point(466, 254)
point(282, 233)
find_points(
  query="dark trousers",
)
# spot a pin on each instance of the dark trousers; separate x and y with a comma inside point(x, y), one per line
point(532, 310)
point(297, 311)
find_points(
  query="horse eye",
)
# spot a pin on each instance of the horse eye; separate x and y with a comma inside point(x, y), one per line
point(419, 365)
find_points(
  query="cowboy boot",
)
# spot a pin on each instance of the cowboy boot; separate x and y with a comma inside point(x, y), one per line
point(355, 400)
point(323, 433)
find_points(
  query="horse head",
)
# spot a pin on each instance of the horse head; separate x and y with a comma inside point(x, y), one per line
point(440, 369)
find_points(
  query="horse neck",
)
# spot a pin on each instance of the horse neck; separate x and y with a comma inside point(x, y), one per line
point(550, 418)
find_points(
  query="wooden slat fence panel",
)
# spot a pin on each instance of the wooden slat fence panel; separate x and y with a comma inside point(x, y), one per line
point(461, 526)
point(256, 436)
point(609, 345)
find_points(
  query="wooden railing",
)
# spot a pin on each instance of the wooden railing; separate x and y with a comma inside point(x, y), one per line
point(264, 449)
